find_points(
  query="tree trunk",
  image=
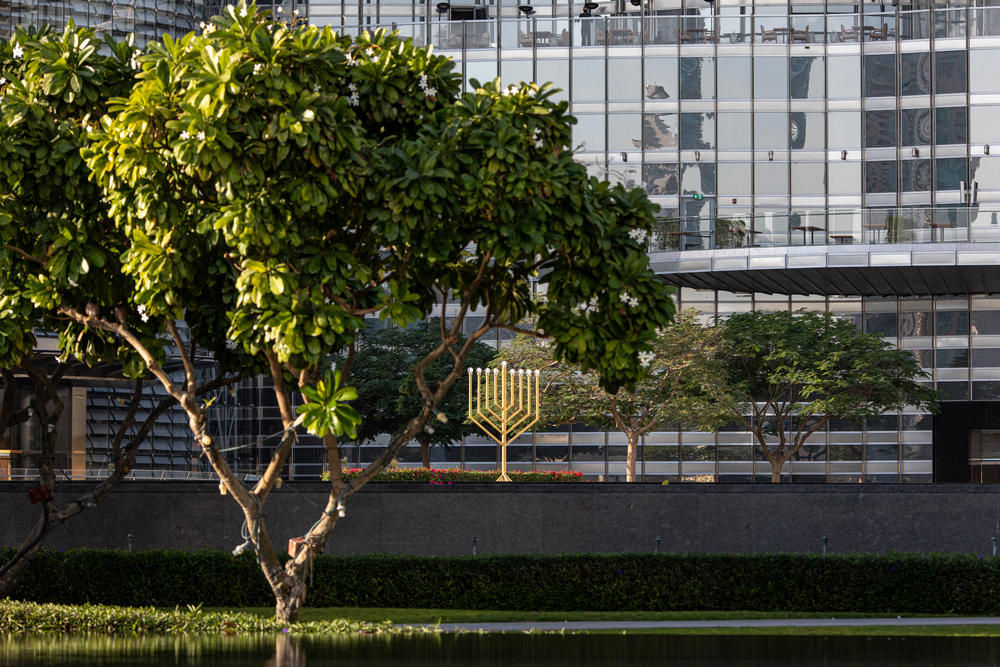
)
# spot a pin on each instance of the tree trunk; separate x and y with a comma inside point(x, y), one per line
point(14, 569)
point(289, 601)
point(425, 454)
point(631, 455)
point(776, 464)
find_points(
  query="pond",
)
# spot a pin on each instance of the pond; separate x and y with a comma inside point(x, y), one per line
point(502, 649)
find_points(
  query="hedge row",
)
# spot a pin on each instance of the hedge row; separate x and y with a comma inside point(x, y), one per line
point(894, 583)
point(449, 475)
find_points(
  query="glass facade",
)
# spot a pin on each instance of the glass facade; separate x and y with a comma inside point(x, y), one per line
point(146, 19)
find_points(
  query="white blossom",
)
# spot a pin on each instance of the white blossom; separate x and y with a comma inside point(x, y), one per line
point(308, 115)
point(202, 25)
point(134, 61)
point(201, 135)
point(423, 82)
point(185, 135)
point(18, 51)
point(637, 235)
point(143, 315)
point(352, 87)
point(281, 10)
point(2, 81)
point(243, 10)
point(354, 100)
point(646, 358)
point(629, 300)
point(430, 92)
point(257, 68)
point(351, 62)
point(539, 144)
point(370, 52)
point(315, 87)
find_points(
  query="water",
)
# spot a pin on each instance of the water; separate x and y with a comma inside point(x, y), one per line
point(502, 650)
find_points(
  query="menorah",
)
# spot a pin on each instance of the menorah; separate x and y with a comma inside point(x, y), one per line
point(507, 404)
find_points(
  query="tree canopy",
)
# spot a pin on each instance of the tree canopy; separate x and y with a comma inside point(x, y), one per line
point(271, 186)
point(684, 383)
point(795, 371)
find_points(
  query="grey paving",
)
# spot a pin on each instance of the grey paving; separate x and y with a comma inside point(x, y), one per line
point(555, 626)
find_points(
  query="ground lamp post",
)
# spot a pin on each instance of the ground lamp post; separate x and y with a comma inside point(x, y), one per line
point(507, 403)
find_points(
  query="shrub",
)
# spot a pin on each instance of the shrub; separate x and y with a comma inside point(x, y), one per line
point(888, 584)
point(449, 475)
point(29, 617)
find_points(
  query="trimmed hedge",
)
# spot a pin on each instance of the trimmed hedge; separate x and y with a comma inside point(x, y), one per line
point(449, 475)
point(888, 584)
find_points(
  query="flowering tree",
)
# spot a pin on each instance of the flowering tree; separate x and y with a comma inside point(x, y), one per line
point(54, 232)
point(277, 185)
point(684, 383)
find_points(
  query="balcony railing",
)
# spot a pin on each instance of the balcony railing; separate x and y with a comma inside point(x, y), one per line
point(537, 32)
point(978, 224)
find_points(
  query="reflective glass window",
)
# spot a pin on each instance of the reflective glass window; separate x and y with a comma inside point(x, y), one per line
point(880, 75)
point(844, 178)
point(588, 133)
point(698, 178)
point(588, 80)
point(844, 77)
point(882, 324)
point(734, 178)
point(623, 132)
point(915, 323)
point(983, 70)
point(484, 71)
point(735, 78)
point(770, 78)
point(915, 127)
point(952, 358)
point(698, 78)
point(880, 129)
point(914, 73)
point(771, 178)
point(985, 128)
point(986, 357)
point(515, 71)
point(844, 129)
point(661, 78)
point(624, 79)
point(808, 178)
point(952, 323)
point(660, 130)
point(950, 173)
point(661, 178)
point(949, 72)
point(986, 172)
point(697, 131)
point(734, 131)
point(951, 125)
point(880, 176)
point(915, 175)
point(986, 322)
point(770, 131)
point(806, 77)
point(806, 131)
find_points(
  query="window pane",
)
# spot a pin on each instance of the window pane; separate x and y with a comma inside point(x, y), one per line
point(770, 131)
point(983, 71)
point(915, 127)
point(770, 77)
point(880, 176)
point(661, 179)
point(624, 79)
point(949, 72)
point(661, 78)
point(588, 80)
point(880, 76)
point(806, 77)
point(915, 73)
point(950, 173)
point(623, 132)
point(880, 128)
point(660, 131)
point(915, 175)
point(734, 79)
point(985, 171)
point(734, 132)
point(698, 78)
point(844, 178)
point(808, 178)
point(844, 129)
point(806, 131)
point(844, 77)
point(588, 132)
point(734, 178)
point(698, 179)
point(697, 131)
point(951, 126)
point(771, 178)
point(952, 323)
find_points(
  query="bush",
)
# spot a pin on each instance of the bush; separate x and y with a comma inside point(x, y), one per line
point(887, 584)
point(449, 475)
point(29, 617)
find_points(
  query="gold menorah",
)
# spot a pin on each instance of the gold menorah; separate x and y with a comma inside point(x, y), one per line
point(506, 405)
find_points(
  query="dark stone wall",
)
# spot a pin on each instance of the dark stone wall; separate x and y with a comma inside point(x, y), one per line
point(541, 518)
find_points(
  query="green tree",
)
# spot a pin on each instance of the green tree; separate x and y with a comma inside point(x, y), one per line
point(684, 383)
point(388, 395)
point(794, 372)
point(54, 232)
point(277, 185)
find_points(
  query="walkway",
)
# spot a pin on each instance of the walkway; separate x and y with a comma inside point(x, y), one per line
point(556, 626)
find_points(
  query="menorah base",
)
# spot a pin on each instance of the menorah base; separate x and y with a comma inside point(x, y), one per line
point(503, 477)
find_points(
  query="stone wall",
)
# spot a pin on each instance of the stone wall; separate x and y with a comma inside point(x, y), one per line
point(540, 518)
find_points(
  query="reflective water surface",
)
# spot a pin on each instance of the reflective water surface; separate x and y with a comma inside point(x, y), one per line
point(506, 649)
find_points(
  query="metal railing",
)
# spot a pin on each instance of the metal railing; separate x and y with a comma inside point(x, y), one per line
point(829, 227)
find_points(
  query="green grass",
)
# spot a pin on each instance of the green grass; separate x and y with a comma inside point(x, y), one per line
point(839, 631)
